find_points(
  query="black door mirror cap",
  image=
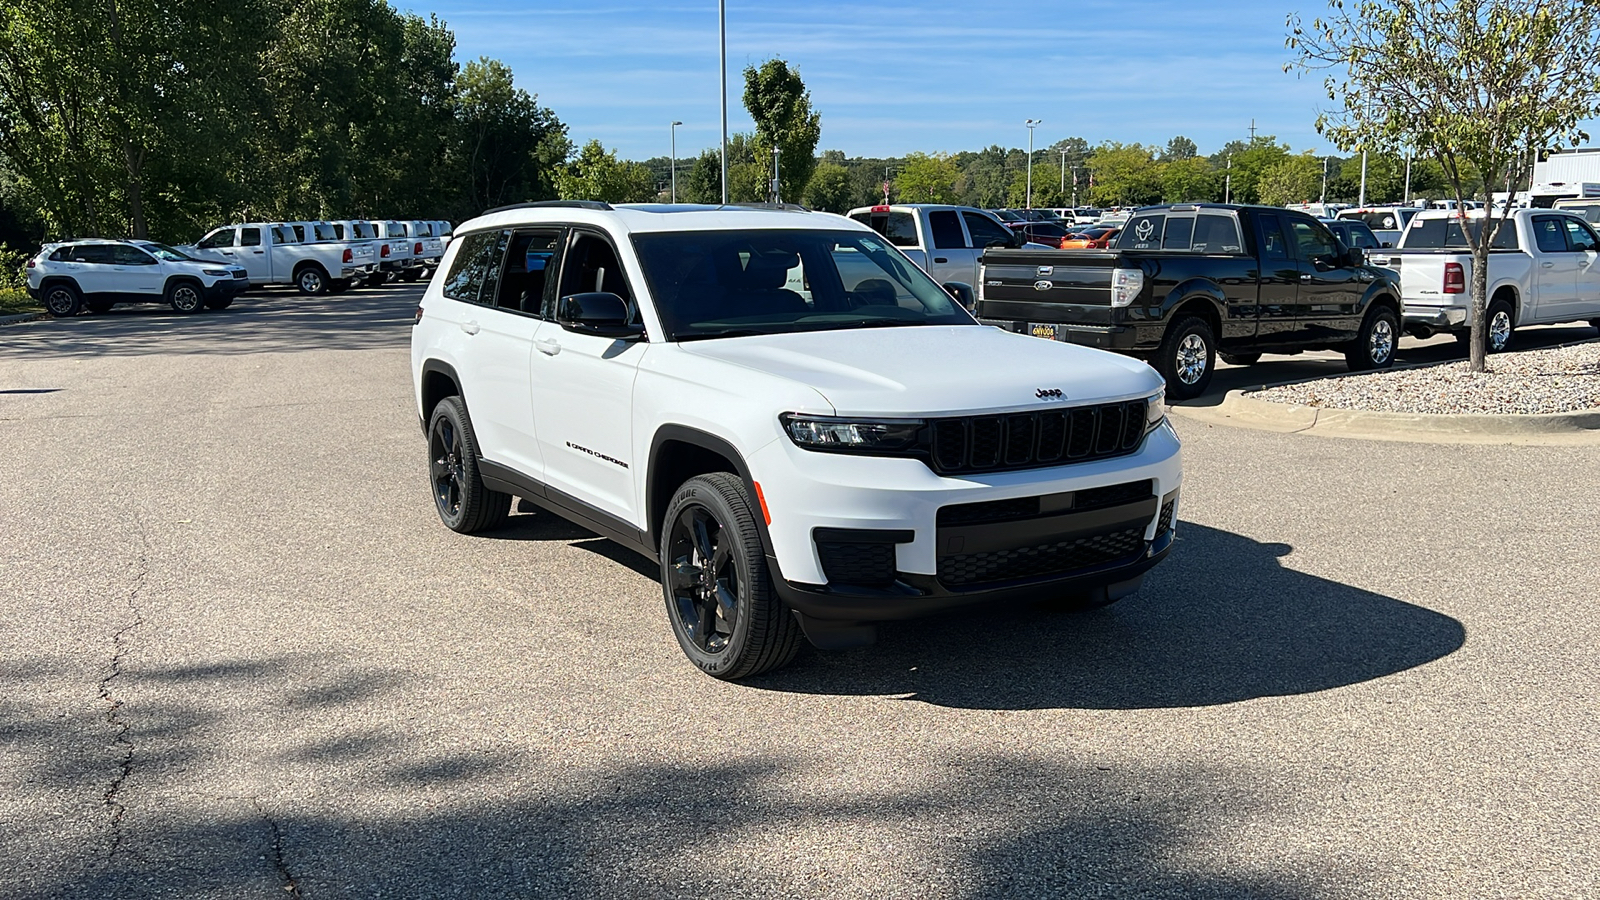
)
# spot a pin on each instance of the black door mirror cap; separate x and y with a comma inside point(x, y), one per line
point(1358, 257)
point(600, 313)
point(961, 292)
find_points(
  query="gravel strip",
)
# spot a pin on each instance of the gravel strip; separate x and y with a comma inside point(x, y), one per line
point(1562, 379)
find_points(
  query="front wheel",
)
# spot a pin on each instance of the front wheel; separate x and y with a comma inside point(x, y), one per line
point(311, 281)
point(1374, 345)
point(465, 505)
point(724, 613)
point(1187, 358)
point(185, 298)
point(63, 301)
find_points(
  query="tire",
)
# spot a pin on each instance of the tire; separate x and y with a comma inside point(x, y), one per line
point(377, 279)
point(219, 303)
point(185, 297)
point(63, 300)
point(1240, 359)
point(1595, 324)
point(100, 307)
point(338, 285)
point(464, 504)
point(727, 618)
point(1375, 343)
point(410, 275)
point(1187, 357)
point(311, 281)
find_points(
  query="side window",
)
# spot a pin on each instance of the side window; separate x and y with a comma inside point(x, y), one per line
point(222, 237)
point(946, 227)
point(249, 237)
point(529, 266)
point(1579, 237)
point(281, 235)
point(985, 231)
point(591, 265)
point(125, 255)
point(1364, 238)
point(1274, 247)
point(1141, 233)
point(1549, 235)
point(475, 272)
point(299, 233)
point(98, 254)
point(1179, 230)
point(1215, 234)
point(1313, 242)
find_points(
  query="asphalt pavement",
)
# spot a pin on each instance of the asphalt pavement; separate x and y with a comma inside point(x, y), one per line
point(242, 658)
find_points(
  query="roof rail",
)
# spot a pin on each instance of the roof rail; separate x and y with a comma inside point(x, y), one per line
point(788, 207)
point(560, 204)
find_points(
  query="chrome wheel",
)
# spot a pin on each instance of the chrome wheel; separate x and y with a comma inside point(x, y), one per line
point(704, 580)
point(311, 282)
point(1380, 346)
point(1192, 356)
point(1499, 330)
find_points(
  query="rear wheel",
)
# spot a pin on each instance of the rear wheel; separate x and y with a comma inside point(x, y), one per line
point(1375, 343)
point(464, 504)
point(724, 613)
point(100, 306)
point(63, 300)
point(1187, 357)
point(311, 281)
point(185, 297)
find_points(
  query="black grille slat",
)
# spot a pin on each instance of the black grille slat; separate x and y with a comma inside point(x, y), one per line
point(1133, 425)
point(1164, 521)
point(1019, 440)
point(987, 434)
point(1055, 558)
point(1109, 437)
point(989, 511)
point(950, 445)
point(1025, 440)
point(1081, 442)
point(1052, 436)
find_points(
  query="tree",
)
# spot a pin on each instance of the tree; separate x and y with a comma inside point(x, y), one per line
point(1189, 180)
point(1180, 147)
point(1124, 175)
point(927, 179)
point(597, 174)
point(1481, 84)
point(1297, 179)
point(508, 147)
point(1242, 163)
point(829, 188)
point(779, 103)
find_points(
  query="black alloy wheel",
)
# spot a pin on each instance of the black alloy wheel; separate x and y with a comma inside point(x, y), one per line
point(465, 505)
point(185, 297)
point(63, 301)
point(724, 612)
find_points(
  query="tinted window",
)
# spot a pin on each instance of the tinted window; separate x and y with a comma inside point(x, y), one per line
point(1362, 236)
point(1445, 232)
point(1142, 232)
point(220, 238)
point(1273, 245)
point(327, 232)
point(947, 230)
point(728, 283)
point(299, 232)
point(898, 227)
point(125, 255)
point(249, 237)
point(529, 270)
point(99, 254)
point(1579, 237)
point(1313, 241)
point(281, 235)
point(986, 231)
point(476, 263)
point(1215, 234)
point(1549, 234)
point(1179, 230)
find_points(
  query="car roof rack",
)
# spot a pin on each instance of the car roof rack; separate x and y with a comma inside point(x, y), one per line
point(557, 204)
point(787, 207)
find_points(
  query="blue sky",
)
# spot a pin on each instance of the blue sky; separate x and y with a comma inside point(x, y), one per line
point(893, 77)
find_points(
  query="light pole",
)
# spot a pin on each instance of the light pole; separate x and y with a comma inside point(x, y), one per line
point(1074, 189)
point(1362, 201)
point(777, 186)
point(1406, 200)
point(1032, 124)
point(674, 129)
point(1324, 199)
point(1227, 182)
point(1063, 173)
point(722, 33)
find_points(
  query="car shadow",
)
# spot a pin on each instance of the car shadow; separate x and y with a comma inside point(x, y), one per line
point(1222, 620)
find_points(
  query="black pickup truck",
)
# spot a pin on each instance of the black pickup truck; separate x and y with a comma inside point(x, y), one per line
point(1186, 282)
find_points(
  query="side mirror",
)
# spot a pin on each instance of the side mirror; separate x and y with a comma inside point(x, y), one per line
point(962, 292)
point(602, 314)
point(1358, 257)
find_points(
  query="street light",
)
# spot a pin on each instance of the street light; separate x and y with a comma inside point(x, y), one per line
point(722, 32)
point(1063, 173)
point(1032, 124)
point(674, 129)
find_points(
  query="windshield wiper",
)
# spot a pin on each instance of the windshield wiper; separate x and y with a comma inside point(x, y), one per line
point(863, 323)
point(721, 333)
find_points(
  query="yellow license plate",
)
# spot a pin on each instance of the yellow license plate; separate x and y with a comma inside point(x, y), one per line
point(1040, 330)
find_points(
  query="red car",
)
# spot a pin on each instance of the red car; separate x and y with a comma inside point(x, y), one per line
point(1097, 238)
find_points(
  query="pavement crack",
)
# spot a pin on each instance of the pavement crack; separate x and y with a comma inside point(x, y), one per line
point(120, 743)
point(291, 885)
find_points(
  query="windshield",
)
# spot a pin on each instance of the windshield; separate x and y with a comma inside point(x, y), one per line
point(166, 254)
point(709, 284)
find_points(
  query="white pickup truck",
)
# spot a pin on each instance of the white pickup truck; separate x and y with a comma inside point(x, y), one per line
point(946, 241)
point(1544, 268)
point(273, 254)
point(427, 246)
point(397, 252)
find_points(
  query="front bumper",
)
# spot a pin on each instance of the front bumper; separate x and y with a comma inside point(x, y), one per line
point(820, 493)
point(226, 287)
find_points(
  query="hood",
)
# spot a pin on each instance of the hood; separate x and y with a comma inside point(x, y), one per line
point(935, 369)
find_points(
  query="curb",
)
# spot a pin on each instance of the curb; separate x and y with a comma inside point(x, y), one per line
point(1240, 409)
point(22, 317)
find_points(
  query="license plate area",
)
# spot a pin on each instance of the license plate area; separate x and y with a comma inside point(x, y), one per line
point(1043, 330)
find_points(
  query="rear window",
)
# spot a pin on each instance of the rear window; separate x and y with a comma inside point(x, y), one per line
point(1143, 232)
point(326, 232)
point(1208, 233)
point(897, 227)
point(1383, 219)
point(1445, 233)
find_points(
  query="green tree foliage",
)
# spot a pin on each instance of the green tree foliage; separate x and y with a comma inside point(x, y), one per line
point(1476, 84)
point(927, 179)
point(597, 174)
point(829, 188)
point(1180, 147)
point(779, 103)
point(1242, 163)
point(508, 148)
point(1125, 175)
point(1189, 179)
point(1296, 179)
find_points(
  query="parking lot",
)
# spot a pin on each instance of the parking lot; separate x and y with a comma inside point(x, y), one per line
point(243, 659)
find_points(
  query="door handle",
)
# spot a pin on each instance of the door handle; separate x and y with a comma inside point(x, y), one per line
point(469, 327)
point(548, 347)
point(1304, 276)
point(258, 251)
point(940, 259)
point(1548, 265)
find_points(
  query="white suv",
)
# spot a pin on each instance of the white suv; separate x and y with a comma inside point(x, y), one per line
point(98, 274)
point(804, 430)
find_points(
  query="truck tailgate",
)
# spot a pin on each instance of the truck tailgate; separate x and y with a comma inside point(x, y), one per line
point(1054, 285)
point(1422, 276)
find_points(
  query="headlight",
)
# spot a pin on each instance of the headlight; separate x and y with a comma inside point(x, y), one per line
point(852, 435)
point(217, 273)
point(1155, 410)
point(1126, 286)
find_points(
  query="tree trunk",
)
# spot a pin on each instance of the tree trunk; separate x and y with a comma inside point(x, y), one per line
point(136, 190)
point(1477, 355)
